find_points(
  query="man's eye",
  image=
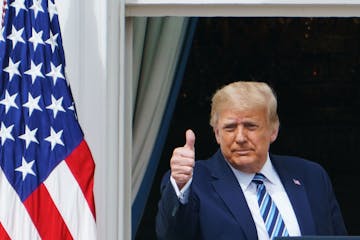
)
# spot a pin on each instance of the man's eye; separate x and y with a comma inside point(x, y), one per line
point(229, 128)
point(251, 126)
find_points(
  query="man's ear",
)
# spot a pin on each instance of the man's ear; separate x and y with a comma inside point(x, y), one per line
point(274, 133)
point(217, 135)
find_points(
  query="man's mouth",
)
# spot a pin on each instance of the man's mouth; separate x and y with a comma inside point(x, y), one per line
point(242, 152)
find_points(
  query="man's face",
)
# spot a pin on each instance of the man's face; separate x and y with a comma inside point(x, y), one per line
point(244, 137)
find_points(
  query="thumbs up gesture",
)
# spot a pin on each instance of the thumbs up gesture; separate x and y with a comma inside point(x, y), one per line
point(183, 160)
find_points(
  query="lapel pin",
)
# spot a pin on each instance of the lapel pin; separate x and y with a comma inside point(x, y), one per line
point(297, 182)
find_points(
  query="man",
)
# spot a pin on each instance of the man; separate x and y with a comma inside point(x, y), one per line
point(223, 197)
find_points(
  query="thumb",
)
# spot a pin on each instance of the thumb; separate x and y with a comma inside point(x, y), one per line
point(190, 139)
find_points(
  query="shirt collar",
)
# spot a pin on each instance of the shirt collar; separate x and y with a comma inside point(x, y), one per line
point(268, 171)
point(245, 179)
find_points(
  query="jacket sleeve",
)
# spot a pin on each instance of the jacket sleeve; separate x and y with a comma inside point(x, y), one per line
point(175, 220)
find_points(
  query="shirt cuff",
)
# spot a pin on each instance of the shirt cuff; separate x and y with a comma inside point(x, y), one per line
point(183, 194)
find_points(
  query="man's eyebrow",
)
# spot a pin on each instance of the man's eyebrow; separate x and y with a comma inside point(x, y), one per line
point(230, 124)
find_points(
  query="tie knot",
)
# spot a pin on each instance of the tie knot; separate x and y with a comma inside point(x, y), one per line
point(259, 178)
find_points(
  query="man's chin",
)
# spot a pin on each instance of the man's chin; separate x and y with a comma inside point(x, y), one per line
point(244, 164)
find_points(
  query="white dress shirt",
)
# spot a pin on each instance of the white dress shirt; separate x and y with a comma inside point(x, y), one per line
point(273, 186)
point(277, 192)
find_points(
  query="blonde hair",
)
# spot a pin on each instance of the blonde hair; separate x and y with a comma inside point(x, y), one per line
point(244, 95)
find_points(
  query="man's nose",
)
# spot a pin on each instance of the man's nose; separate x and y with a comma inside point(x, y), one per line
point(240, 135)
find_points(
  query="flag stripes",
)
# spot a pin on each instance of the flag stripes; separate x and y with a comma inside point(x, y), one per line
point(45, 210)
point(82, 169)
point(65, 191)
point(40, 206)
point(3, 233)
point(13, 214)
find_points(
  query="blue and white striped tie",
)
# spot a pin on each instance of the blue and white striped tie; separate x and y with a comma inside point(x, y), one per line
point(273, 221)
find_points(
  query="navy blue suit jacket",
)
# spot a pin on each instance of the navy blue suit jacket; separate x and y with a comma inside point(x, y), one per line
point(217, 208)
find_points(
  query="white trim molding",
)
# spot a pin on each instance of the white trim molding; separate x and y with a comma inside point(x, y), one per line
point(236, 8)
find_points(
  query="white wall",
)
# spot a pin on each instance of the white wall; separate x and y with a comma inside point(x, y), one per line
point(92, 58)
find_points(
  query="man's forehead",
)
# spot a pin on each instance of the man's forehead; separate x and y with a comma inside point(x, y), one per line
point(240, 116)
point(243, 113)
point(241, 119)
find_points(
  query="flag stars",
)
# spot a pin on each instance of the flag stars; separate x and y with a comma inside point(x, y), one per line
point(9, 101)
point(12, 69)
point(55, 138)
point(36, 7)
point(52, 41)
point(32, 103)
point(71, 107)
point(26, 168)
point(18, 5)
point(36, 38)
point(15, 36)
point(56, 105)
point(52, 9)
point(29, 136)
point(55, 72)
point(2, 39)
point(5, 133)
point(35, 71)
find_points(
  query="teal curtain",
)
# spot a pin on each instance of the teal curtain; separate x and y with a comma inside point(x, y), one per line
point(161, 47)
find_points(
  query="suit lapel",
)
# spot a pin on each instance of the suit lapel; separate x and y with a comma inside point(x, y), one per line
point(226, 185)
point(296, 192)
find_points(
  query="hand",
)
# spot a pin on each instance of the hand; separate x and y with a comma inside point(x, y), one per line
point(182, 161)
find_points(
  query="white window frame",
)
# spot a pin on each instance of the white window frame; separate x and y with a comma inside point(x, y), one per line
point(121, 55)
point(301, 8)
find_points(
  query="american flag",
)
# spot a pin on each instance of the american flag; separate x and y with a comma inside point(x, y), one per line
point(47, 171)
